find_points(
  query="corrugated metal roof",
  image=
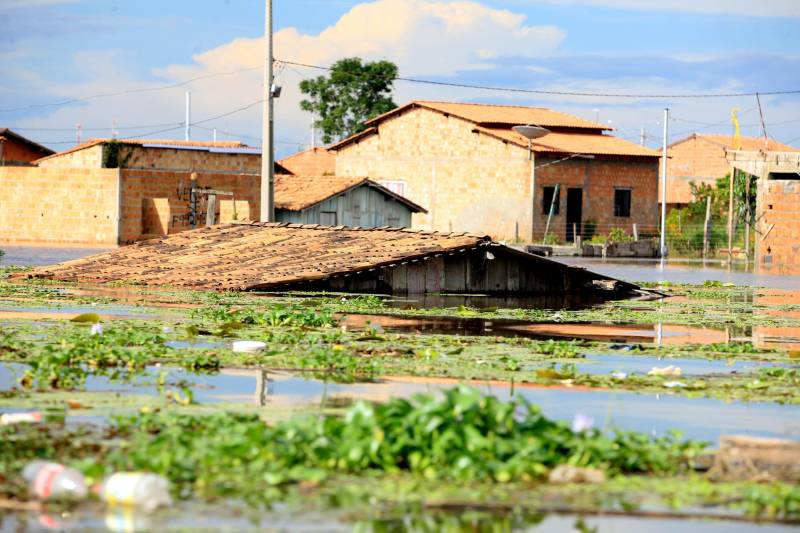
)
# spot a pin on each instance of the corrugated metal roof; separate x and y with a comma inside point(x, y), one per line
point(258, 256)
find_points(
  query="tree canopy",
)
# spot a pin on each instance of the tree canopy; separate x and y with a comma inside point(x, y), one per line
point(350, 95)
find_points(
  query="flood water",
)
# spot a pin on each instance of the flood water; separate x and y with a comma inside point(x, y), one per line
point(655, 414)
point(188, 517)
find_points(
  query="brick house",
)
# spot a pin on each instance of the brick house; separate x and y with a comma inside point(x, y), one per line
point(473, 172)
point(16, 150)
point(700, 158)
point(108, 193)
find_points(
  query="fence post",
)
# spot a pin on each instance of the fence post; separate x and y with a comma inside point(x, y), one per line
point(635, 232)
point(211, 210)
point(707, 227)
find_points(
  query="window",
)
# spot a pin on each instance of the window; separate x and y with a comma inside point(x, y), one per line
point(397, 187)
point(622, 203)
point(327, 218)
point(547, 200)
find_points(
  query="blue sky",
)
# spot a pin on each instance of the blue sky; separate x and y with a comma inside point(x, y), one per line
point(52, 50)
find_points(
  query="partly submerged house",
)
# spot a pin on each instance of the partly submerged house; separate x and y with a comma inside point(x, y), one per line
point(701, 159)
point(473, 172)
point(16, 150)
point(340, 201)
point(258, 256)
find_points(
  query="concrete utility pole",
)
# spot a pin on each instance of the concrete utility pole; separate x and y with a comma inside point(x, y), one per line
point(188, 133)
point(267, 138)
point(663, 247)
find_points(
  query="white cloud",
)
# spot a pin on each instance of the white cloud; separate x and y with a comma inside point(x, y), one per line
point(755, 8)
point(423, 37)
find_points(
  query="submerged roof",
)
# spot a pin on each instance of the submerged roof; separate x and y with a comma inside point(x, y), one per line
point(295, 193)
point(569, 134)
point(153, 143)
point(244, 256)
point(253, 256)
point(313, 162)
point(10, 134)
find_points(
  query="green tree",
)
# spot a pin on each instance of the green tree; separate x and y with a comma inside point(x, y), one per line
point(350, 95)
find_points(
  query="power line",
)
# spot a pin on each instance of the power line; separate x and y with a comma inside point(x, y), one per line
point(565, 93)
point(130, 91)
point(144, 126)
point(181, 125)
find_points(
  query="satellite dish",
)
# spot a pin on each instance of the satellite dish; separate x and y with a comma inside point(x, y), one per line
point(531, 132)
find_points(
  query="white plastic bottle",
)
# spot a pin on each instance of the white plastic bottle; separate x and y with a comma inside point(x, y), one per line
point(54, 481)
point(136, 489)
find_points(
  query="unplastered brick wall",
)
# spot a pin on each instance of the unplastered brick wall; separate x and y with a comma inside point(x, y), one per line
point(694, 159)
point(156, 203)
point(59, 205)
point(91, 157)
point(473, 182)
point(139, 157)
point(778, 216)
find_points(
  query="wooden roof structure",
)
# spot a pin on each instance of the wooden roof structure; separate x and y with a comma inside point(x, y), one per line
point(259, 256)
point(296, 193)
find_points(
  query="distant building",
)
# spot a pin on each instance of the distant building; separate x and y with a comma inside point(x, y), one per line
point(340, 201)
point(312, 162)
point(16, 150)
point(700, 158)
point(117, 192)
point(472, 171)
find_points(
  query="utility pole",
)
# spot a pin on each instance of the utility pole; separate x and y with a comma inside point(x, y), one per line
point(313, 132)
point(267, 140)
point(188, 133)
point(731, 184)
point(642, 137)
point(663, 247)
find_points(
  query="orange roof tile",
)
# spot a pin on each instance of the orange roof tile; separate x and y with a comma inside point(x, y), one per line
point(747, 143)
point(259, 256)
point(171, 142)
point(295, 193)
point(511, 115)
point(314, 162)
point(574, 143)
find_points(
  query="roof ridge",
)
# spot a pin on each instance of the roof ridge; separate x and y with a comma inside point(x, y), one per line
point(484, 104)
point(418, 231)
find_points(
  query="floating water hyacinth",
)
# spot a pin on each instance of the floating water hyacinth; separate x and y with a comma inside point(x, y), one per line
point(97, 329)
point(582, 423)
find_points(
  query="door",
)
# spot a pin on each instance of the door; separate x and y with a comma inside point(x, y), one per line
point(574, 213)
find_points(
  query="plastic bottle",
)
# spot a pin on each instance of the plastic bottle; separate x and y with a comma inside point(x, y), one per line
point(54, 481)
point(135, 489)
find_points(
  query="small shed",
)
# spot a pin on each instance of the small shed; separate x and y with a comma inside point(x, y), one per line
point(340, 201)
point(256, 256)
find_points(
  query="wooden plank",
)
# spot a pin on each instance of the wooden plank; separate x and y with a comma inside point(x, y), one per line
point(497, 274)
point(399, 279)
point(513, 274)
point(477, 273)
point(416, 278)
point(434, 277)
point(455, 273)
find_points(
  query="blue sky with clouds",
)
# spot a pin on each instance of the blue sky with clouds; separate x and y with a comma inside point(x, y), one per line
point(54, 50)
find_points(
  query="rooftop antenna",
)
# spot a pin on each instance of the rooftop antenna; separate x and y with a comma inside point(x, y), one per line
point(78, 131)
point(763, 125)
point(114, 131)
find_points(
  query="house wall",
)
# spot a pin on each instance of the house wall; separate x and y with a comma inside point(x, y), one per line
point(59, 205)
point(479, 184)
point(694, 159)
point(364, 206)
point(157, 203)
point(13, 152)
point(778, 225)
point(91, 157)
point(468, 272)
point(139, 157)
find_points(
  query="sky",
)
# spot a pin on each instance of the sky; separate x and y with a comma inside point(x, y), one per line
point(65, 62)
